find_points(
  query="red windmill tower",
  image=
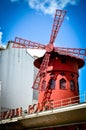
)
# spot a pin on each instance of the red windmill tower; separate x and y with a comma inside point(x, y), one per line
point(58, 69)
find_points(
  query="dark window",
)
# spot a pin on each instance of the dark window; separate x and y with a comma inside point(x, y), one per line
point(72, 75)
point(52, 83)
point(62, 83)
point(72, 85)
point(62, 73)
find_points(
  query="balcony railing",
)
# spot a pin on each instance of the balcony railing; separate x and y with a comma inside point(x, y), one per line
point(43, 107)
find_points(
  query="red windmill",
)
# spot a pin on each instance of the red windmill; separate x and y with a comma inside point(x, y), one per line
point(58, 69)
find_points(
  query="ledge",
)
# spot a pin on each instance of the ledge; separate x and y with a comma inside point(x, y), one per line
point(51, 118)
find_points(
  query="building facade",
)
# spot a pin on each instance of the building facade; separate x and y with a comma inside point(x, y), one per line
point(16, 77)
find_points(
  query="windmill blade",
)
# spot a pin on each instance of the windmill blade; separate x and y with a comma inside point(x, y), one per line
point(58, 19)
point(42, 72)
point(74, 52)
point(22, 43)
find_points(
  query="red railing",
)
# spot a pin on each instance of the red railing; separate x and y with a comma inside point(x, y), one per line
point(43, 107)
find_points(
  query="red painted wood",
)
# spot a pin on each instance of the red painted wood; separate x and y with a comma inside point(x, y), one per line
point(62, 67)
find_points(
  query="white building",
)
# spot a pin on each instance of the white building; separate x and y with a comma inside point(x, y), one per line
point(0, 96)
point(16, 76)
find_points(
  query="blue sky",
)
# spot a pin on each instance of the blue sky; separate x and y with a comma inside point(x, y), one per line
point(32, 20)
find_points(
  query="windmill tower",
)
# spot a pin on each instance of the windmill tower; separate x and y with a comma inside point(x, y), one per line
point(58, 74)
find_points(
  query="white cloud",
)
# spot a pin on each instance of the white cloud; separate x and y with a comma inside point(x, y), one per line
point(49, 6)
point(1, 37)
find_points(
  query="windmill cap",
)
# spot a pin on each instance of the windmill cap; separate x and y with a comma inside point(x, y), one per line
point(54, 54)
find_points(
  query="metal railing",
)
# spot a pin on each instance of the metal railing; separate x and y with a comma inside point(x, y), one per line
point(43, 107)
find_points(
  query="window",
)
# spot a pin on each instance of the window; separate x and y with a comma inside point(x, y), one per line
point(52, 83)
point(35, 94)
point(62, 73)
point(72, 75)
point(62, 83)
point(72, 85)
